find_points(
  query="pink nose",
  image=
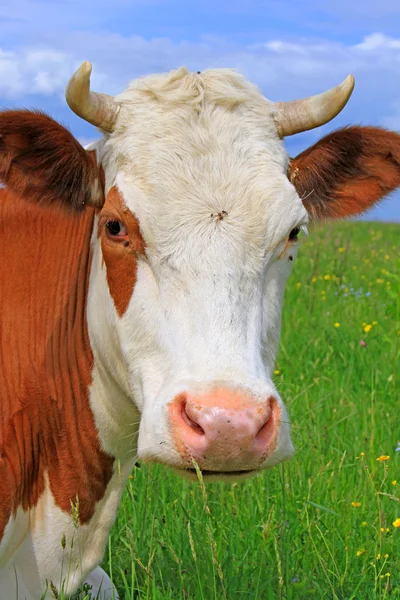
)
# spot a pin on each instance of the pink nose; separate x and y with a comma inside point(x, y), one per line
point(224, 430)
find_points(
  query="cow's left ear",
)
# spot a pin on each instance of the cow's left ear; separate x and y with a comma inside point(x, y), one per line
point(43, 162)
point(347, 171)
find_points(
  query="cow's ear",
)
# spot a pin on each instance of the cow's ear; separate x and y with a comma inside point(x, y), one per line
point(347, 171)
point(43, 162)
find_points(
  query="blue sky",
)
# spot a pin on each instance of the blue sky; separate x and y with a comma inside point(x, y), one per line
point(290, 48)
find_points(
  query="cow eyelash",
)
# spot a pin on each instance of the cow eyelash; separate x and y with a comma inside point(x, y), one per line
point(294, 234)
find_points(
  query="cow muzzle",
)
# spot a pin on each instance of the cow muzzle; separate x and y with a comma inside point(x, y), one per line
point(225, 431)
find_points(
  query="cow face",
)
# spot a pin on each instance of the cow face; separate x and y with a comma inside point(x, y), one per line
point(196, 239)
point(198, 216)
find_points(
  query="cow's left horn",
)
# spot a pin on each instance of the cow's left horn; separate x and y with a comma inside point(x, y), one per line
point(99, 109)
point(301, 115)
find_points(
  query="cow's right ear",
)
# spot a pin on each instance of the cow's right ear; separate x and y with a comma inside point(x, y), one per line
point(43, 162)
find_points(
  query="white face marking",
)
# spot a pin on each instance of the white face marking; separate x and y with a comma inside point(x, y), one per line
point(215, 208)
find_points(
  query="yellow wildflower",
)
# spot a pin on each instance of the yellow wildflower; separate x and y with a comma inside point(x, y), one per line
point(327, 277)
point(276, 372)
point(341, 249)
point(298, 285)
point(367, 328)
point(356, 504)
point(337, 324)
point(396, 523)
point(379, 280)
point(387, 574)
point(374, 322)
point(361, 453)
point(386, 555)
point(314, 279)
point(378, 557)
point(382, 458)
point(394, 482)
point(360, 552)
point(364, 523)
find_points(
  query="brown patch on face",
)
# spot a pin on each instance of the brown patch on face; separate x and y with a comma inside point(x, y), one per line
point(347, 171)
point(46, 423)
point(120, 254)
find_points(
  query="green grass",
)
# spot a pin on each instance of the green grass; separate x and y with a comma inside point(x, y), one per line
point(293, 532)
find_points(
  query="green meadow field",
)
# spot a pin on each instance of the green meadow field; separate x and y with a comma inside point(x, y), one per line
point(327, 524)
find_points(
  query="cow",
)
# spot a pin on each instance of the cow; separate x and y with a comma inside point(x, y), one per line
point(142, 282)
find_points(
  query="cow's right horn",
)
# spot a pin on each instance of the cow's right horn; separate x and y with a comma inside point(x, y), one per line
point(100, 110)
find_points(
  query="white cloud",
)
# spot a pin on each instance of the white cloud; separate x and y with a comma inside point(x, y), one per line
point(377, 41)
point(26, 72)
point(284, 47)
point(284, 69)
point(11, 83)
point(255, 39)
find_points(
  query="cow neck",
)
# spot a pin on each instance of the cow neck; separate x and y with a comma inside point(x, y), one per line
point(47, 427)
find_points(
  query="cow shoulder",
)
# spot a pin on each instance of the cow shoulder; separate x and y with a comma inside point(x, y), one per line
point(46, 363)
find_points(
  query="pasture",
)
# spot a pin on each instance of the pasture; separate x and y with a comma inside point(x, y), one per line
point(321, 526)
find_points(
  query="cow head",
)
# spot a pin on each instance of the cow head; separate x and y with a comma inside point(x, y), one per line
point(198, 213)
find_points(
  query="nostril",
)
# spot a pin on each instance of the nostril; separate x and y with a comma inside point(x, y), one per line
point(266, 430)
point(192, 424)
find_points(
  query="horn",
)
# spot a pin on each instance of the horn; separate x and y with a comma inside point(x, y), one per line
point(302, 115)
point(100, 110)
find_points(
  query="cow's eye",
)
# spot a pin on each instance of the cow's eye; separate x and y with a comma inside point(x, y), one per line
point(293, 235)
point(116, 229)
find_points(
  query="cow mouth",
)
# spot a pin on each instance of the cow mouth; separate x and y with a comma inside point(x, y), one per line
point(208, 475)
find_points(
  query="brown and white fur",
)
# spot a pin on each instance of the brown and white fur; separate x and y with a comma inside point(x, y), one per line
point(140, 339)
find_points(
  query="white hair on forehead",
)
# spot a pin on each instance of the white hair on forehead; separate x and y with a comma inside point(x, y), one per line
point(169, 122)
point(192, 145)
point(225, 87)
